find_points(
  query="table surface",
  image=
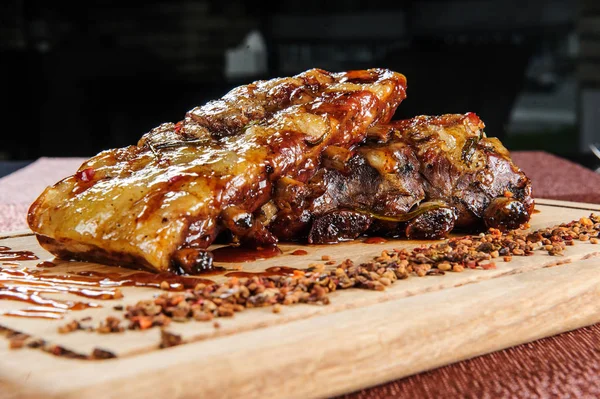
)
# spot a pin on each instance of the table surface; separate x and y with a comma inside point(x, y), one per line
point(566, 365)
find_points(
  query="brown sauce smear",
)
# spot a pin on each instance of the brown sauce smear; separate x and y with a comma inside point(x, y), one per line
point(7, 254)
point(375, 240)
point(37, 312)
point(24, 285)
point(270, 271)
point(214, 271)
point(32, 295)
point(140, 279)
point(300, 252)
point(95, 279)
point(233, 254)
point(17, 255)
point(29, 285)
point(49, 284)
point(46, 264)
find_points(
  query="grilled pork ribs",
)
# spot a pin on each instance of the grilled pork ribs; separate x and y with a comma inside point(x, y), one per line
point(161, 203)
point(314, 157)
point(418, 178)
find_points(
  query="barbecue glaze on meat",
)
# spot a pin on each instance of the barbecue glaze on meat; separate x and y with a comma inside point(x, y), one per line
point(161, 203)
point(314, 158)
point(419, 178)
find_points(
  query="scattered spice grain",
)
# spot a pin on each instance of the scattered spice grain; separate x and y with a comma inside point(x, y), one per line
point(314, 284)
point(169, 339)
point(69, 327)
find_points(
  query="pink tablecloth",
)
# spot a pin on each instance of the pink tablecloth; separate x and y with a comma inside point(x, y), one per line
point(19, 189)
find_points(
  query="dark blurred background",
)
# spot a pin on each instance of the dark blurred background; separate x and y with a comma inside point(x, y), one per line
point(80, 77)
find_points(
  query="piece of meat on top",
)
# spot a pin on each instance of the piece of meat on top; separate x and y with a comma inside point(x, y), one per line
point(470, 171)
point(161, 203)
point(420, 177)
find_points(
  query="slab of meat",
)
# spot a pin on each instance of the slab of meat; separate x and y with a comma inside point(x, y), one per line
point(161, 203)
point(418, 178)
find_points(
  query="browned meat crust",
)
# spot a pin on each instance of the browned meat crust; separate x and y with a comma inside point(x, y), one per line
point(161, 203)
point(419, 178)
point(312, 157)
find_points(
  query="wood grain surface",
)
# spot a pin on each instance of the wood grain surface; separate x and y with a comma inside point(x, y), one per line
point(361, 339)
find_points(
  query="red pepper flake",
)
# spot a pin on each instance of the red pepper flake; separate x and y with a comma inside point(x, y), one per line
point(143, 322)
point(176, 300)
point(178, 126)
point(471, 264)
point(300, 252)
point(86, 175)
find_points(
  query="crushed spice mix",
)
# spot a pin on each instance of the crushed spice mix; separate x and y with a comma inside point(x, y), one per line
point(314, 284)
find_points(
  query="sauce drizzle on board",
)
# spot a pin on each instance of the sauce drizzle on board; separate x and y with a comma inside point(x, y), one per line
point(166, 281)
point(299, 252)
point(375, 240)
point(32, 295)
point(270, 271)
point(233, 254)
point(46, 264)
point(37, 312)
point(7, 254)
point(23, 284)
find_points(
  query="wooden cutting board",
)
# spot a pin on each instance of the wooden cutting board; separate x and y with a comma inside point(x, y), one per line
point(360, 339)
